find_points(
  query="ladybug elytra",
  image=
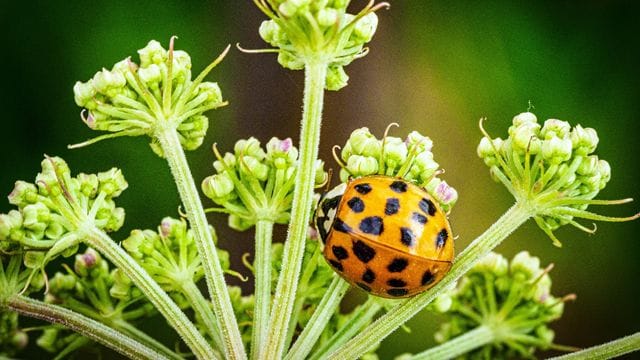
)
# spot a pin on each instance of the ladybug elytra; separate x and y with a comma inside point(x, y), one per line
point(385, 235)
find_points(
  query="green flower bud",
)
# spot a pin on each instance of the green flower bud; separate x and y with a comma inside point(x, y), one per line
point(327, 17)
point(88, 184)
point(524, 118)
point(584, 140)
point(525, 138)
point(153, 53)
point(362, 142)
point(112, 182)
point(288, 61)
point(213, 93)
point(525, 263)
point(281, 153)
point(362, 165)
point(555, 128)
point(108, 83)
point(252, 167)
point(218, 187)
point(336, 79)
point(33, 259)
point(239, 223)
point(249, 147)
point(365, 28)
point(11, 226)
point(270, 32)
point(23, 193)
point(19, 339)
point(36, 217)
point(395, 151)
point(61, 284)
point(83, 93)
point(493, 263)
point(150, 75)
point(48, 339)
point(556, 150)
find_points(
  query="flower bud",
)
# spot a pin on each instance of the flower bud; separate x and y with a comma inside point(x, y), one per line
point(525, 138)
point(108, 83)
point(85, 262)
point(112, 182)
point(19, 339)
point(10, 226)
point(213, 92)
point(252, 167)
point(23, 193)
point(525, 263)
point(218, 187)
point(249, 147)
point(336, 78)
point(150, 75)
point(327, 17)
point(270, 32)
point(33, 259)
point(524, 118)
point(423, 143)
point(362, 142)
point(362, 165)
point(83, 93)
point(395, 152)
point(365, 28)
point(555, 128)
point(584, 140)
point(238, 223)
point(36, 217)
point(289, 61)
point(556, 150)
point(153, 53)
point(494, 263)
point(281, 153)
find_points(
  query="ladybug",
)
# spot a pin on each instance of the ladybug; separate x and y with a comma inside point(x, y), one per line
point(385, 235)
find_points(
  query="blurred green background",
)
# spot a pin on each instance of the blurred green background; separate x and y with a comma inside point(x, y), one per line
point(435, 67)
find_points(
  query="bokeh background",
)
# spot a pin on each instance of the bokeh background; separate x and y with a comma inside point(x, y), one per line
point(435, 67)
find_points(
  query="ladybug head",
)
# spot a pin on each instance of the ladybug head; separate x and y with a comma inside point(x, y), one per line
point(326, 210)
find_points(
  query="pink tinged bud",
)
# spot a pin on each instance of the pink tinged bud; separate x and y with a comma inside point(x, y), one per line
point(286, 144)
point(312, 233)
point(165, 227)
point(446, 193)
point(89, 259)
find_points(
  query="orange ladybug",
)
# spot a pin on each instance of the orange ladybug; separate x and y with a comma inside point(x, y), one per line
point(385, 235)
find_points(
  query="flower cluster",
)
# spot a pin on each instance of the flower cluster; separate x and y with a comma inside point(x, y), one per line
point(170, 256)
point(332, 35)
point(410, 159)
point(141, 99)
point(253, 184)
point(12, 338)
point(551, 165)
point(94, 290)
point(53, 211)
point(512, 301)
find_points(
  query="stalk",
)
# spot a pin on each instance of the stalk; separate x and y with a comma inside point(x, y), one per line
point(359, 318)
point(481, 246)
point(144, 338)
point(90, 328)
point(232, 341)
point(609, 350)
point(462, 344)
point(315, 75)
point(175, 317)
point(201, 307)
point(328, 304)
point(262, 266)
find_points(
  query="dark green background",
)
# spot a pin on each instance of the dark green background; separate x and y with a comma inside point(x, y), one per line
point(436, 67)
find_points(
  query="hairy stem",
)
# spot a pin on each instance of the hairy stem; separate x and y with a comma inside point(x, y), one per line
point(201, 307)
point(262, 266)
point(90, 328)
point(170, 143)
point(144, 338)
point(483, 244)
point(327, 306)
point(609, 350)
point(358, 319)
point(175, 317)
point(315, 74)
point(457, 346)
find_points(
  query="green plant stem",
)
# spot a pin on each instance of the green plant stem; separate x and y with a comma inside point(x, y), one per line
point(315, 75)
point(321, 316)
point(608, 350)
point(175, 317)
point(201, 307)
point(90, 328)
point(457, 346)
point(358, 320)
point(262, 268)
point(481, 246)
point(222, 308)
point(144, 338)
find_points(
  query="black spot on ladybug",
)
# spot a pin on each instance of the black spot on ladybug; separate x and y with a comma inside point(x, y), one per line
point(407, 237)
point(397, 265)
point(392, 206)
point(339, 225)
point(363, 251)
point(331, 204)
point(321, 231)
point(336, 265)
point(369, 276)
point(340, 252)
point(398, 186)
point(419, 218)
point(442, 237)
point(427, 206)
point(363, 189)
point(364, 287)
point(396, 283)
point(397, 292)
point(372, 225)
point(427, 278)
point(356, 204)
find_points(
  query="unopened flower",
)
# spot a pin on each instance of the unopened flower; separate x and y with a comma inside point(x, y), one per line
point(552, 168)
point(151, 97)
point(410, 159)
point(253, 183)
point(318, 31)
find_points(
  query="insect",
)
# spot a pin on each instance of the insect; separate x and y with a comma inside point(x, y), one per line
point(385, 235)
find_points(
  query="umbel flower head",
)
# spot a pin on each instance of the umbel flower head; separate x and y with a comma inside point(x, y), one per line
point(552, 167)
point(253, 183)
point(54, 211)
point(410, 159)
point(304, 31)
point(155, 95)
point(511, 301)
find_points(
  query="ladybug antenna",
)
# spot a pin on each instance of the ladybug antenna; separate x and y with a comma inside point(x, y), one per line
point(384, 141)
